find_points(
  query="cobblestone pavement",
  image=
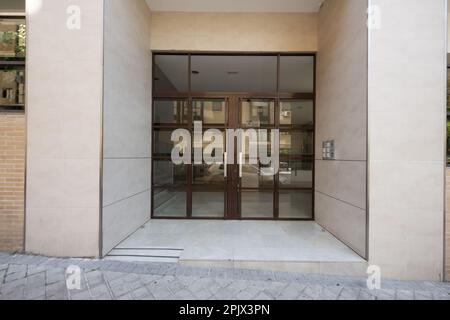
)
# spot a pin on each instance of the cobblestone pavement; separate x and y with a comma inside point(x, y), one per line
point(36, 277)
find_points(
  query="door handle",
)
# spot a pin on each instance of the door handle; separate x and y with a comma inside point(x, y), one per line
point(240, 164)
point(225, 164)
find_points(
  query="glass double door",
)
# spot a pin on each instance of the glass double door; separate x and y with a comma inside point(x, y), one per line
point(240, 186)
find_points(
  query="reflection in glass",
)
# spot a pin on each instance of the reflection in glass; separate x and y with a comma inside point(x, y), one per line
point(171, 73)
point(208, 204)
point(297, 113)
point(166, 173)
point(296, 174)
point(162, 141)
point(170, 112)
point(169, 203)
point(255, 113)
point(209, 111)
point(296, 143)
point(210, 146)
point(257, 204)
point(12, 86)
point(234, 73)
point(297, 74)
point(253, 177)
point(12, 38)
point(295, 205)
point(208, 174)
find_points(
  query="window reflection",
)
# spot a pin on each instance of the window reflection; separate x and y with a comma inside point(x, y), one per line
point(297, 113)
point(12, 38)
point(296, 74)
point(209, 111)
point(12, 86)
point(171, 73)
point(296, 143)
point(255, 113)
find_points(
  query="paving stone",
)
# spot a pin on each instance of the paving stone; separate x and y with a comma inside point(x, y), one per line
point(292, 291)
point(100, 291)
point(366, 294)
point(349, 294)
point(80, 295)
point(55, 275)
point(423, 295)
point(404, 295)
point(159, 291)
point(141, 294)
point(32, 269)
point(330, 293)
point(35, 277)
point(385, 294)
point(94, 278)
point(202, 294)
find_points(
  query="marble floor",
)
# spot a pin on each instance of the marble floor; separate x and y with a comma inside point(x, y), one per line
point(265, 241)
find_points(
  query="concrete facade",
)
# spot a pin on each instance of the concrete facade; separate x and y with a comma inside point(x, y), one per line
point(407, 112)
point(88, 121)
point(234, 31)
point(64, 92)
point(341, 115)
point(126, 118)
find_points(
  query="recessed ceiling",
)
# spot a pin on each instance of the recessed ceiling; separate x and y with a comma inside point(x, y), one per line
point(235, 5)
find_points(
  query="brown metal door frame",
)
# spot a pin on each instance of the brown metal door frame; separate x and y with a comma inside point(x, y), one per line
point(232, 182)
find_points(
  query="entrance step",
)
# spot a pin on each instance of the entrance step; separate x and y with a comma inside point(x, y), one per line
point(145, 254)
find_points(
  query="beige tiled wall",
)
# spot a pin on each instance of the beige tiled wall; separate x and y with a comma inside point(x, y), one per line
point(407, 111)
point(64, 103)
point(12, 175)
point(341, 115)
point(234, 31)
point(127, 106)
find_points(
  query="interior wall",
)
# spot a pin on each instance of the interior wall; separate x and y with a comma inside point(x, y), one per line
point(407, 130)
point(64, 99)
point(341, 115)
point(234, 31)
point(127, 120)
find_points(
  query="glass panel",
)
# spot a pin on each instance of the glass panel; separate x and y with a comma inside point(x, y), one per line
point(255, 113)
point(12, 38)
point(234, 73)
point(12, 86)
point(208, 204)
point(252, 177)
point(163, 144)
point(295, 205)
point(169, 203)
point(165, 173)
point(208, 174)
point(257, 204)
point(297, 113)
point(171, 73)
point(207, 143)
point(256, 145)
point(170, 112)
point(296, 174)
point(209, 111)
point(296, 143)
point(296, 74)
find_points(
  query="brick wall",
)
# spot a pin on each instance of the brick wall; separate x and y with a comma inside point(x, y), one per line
point(12, 176)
